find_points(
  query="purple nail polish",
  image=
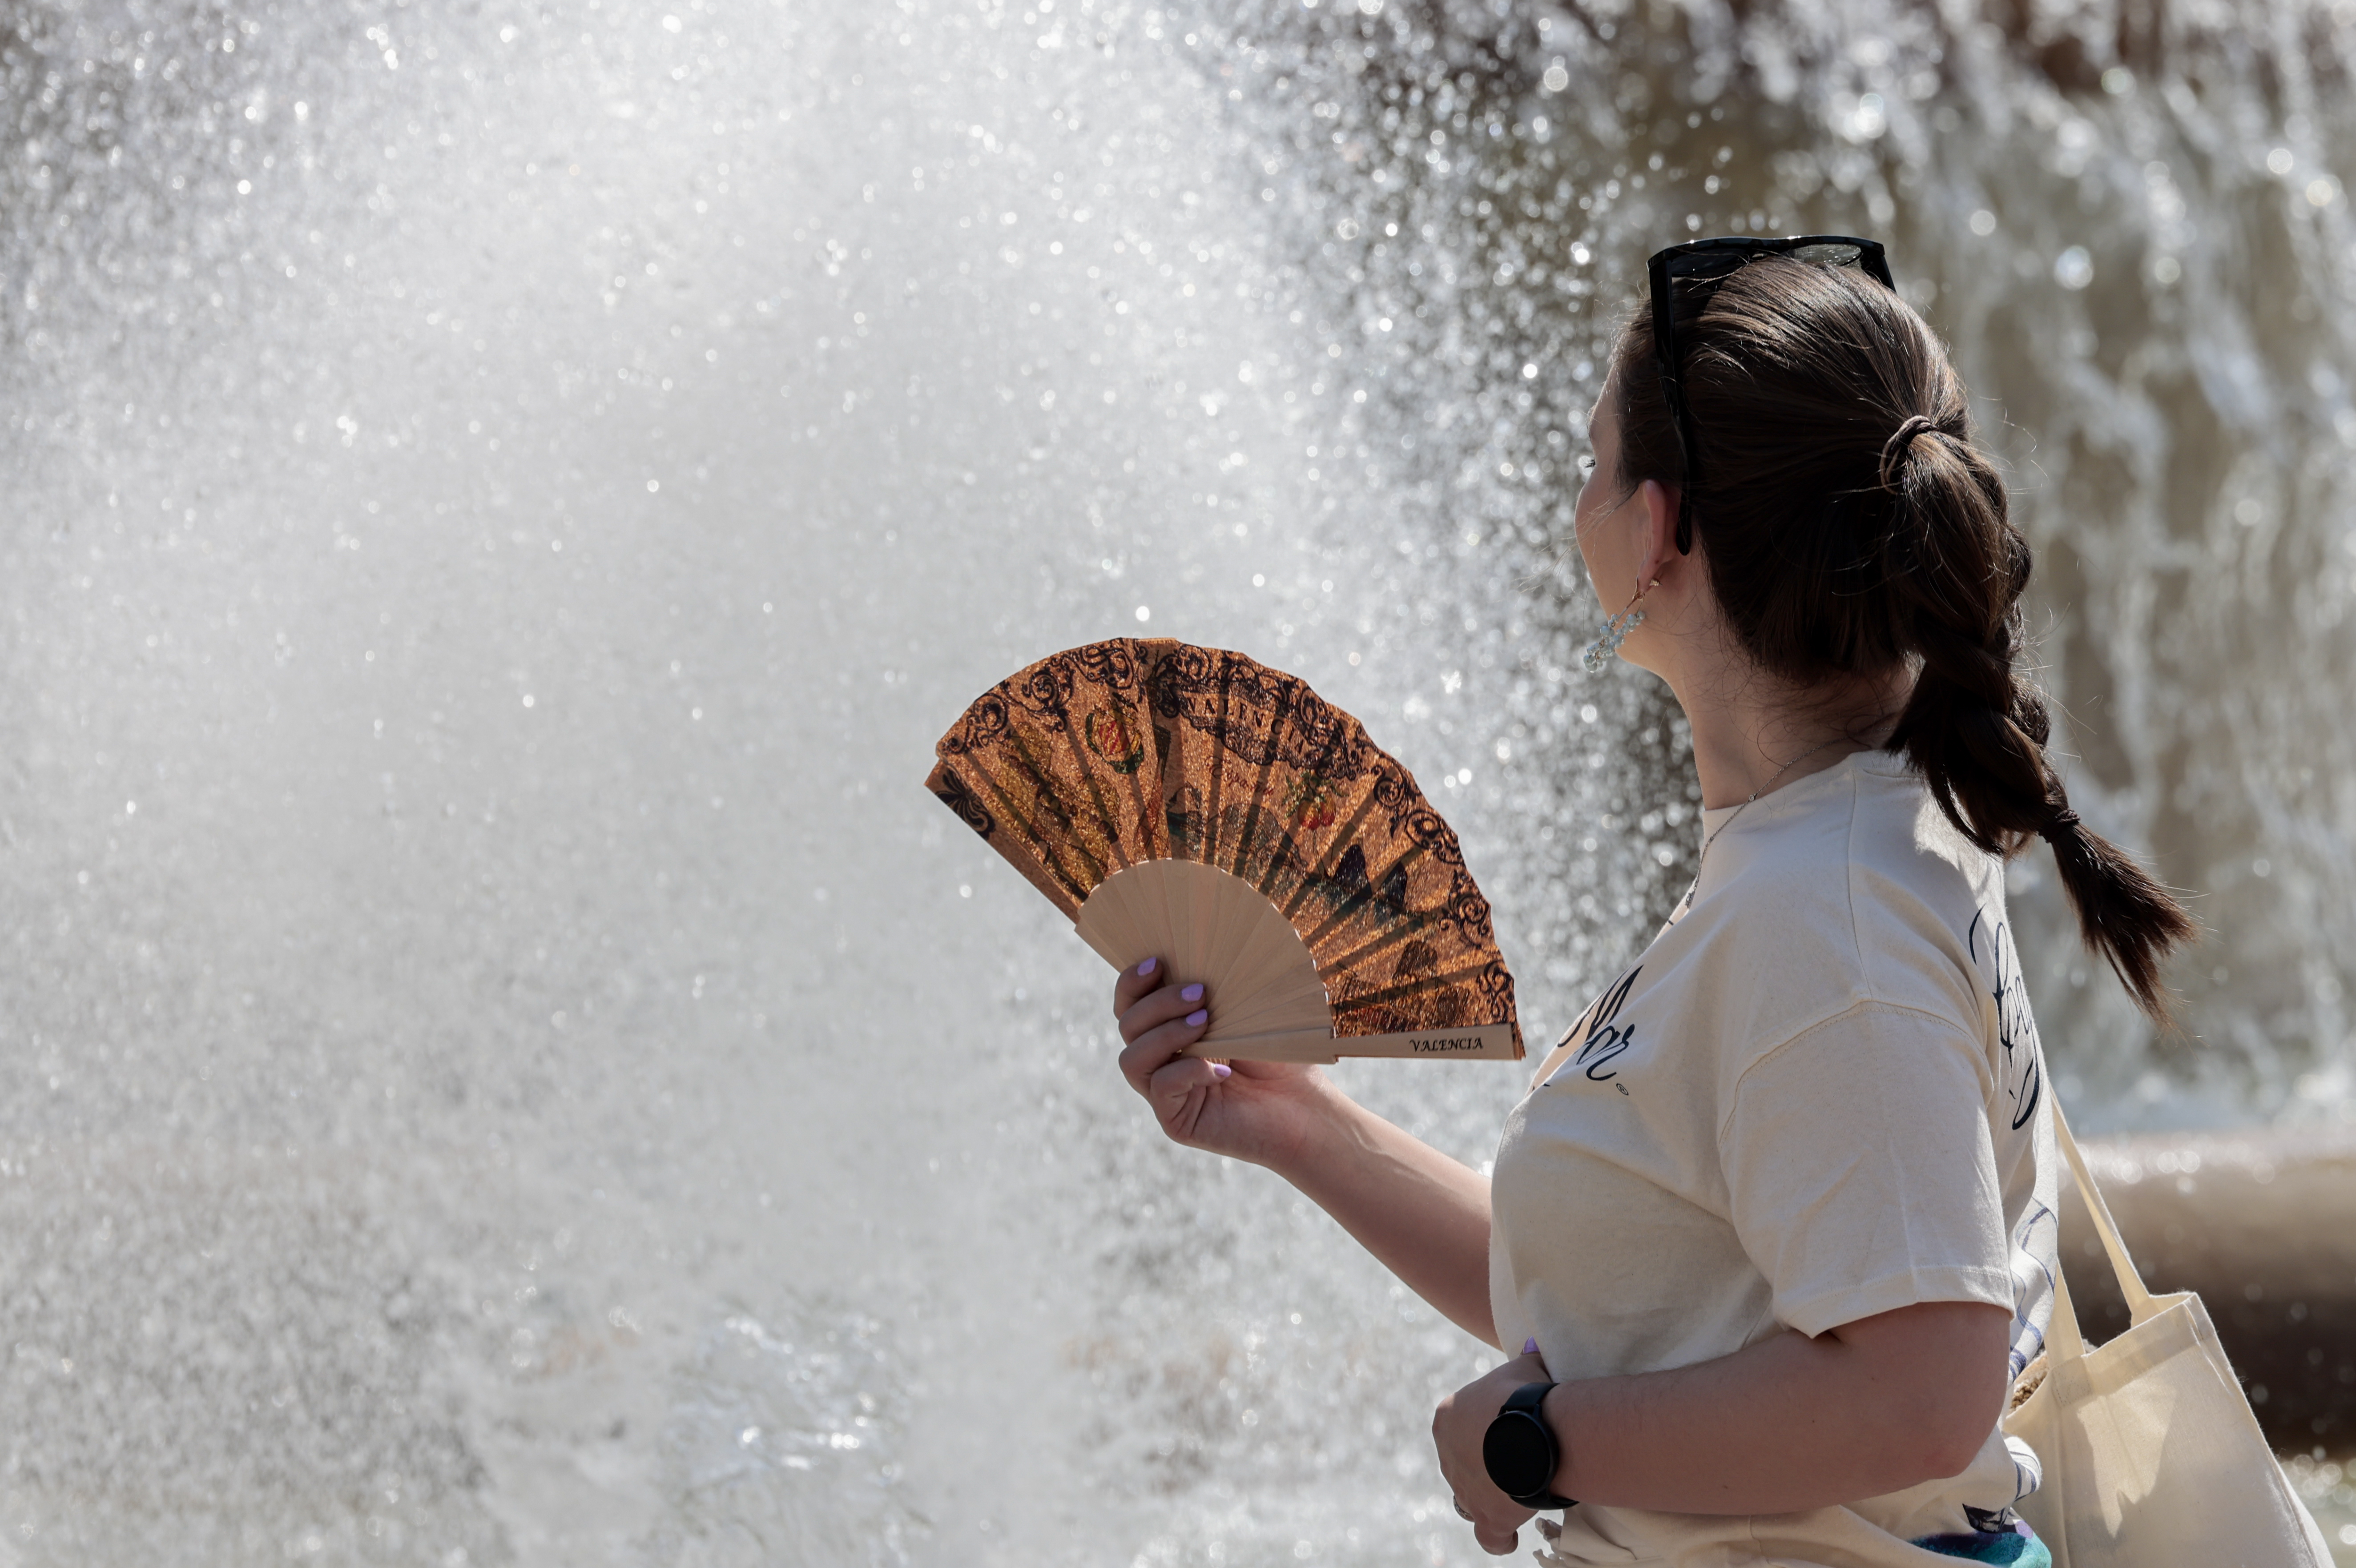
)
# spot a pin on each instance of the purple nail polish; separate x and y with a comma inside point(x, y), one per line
point(1192, 993)
point(1220, 1070)
point(1199, 1016)
point(1147, 967)
point(1529, 1347)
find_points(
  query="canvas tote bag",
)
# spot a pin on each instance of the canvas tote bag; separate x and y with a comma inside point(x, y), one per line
point(2152, 1456)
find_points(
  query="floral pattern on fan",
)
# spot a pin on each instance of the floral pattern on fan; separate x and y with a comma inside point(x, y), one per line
point(1120, 752)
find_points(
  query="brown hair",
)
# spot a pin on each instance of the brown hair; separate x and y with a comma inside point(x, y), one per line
point(1851, 527)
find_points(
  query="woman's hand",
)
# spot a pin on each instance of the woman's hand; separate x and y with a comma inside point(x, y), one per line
point(1458, 1427)
point(1257, 1111)
point(1425, 1215)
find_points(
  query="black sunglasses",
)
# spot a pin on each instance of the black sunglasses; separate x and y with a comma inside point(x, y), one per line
point(1712, 261)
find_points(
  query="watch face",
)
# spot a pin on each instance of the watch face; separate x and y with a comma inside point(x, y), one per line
point(1519, 1454)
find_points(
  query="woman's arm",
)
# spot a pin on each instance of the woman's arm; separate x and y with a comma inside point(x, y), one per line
point(1787, 1424)
point(1424, 1215)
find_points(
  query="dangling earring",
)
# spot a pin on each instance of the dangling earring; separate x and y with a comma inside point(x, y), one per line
point(1616, 631)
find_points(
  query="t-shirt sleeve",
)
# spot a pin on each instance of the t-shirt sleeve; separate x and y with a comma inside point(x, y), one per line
point(1861, 1169)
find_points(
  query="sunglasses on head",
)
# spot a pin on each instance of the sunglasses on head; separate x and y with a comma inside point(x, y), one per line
point(1712, 261)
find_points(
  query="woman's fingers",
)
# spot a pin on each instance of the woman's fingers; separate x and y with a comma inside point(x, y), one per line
point(1178, 1093)
point(1155, 1037)
point(1158, 1020)
point(1458, 1427)
point(1135, 982)
point(1169, 1087)
point(1495, 1519)
point(1159, 1006)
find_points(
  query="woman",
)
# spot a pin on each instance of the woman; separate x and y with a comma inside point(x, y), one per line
point(1774, 1227)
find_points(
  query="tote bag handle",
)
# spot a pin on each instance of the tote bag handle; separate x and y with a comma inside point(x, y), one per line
point(2141, 1303)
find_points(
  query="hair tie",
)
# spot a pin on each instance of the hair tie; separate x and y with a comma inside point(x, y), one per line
point(2059, 823)
point(1897, 445)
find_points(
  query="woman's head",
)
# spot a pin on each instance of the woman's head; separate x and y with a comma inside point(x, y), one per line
point(1851, 530)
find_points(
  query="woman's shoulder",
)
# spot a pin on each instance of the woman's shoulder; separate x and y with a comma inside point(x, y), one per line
point(1867, 826)
point(1905, 847)
point(1857, 889)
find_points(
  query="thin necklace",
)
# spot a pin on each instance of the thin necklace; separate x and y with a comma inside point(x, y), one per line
point(1762, 789)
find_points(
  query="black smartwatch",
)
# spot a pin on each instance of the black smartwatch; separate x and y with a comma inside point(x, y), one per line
point(1520, 1452)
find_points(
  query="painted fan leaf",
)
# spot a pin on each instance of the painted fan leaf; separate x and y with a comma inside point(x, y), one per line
point(1124, 753)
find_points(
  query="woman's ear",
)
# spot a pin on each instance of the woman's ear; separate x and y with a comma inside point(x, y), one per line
point(1660, 540)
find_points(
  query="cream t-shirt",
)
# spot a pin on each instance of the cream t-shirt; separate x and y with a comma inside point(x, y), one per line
point(1816, 1096)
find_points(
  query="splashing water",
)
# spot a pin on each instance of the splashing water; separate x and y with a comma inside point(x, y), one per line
point(510, 1068)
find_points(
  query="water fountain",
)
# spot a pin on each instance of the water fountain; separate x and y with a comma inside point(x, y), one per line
point(510, 1067)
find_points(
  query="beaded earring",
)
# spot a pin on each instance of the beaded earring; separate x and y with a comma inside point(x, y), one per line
point(1616, 631)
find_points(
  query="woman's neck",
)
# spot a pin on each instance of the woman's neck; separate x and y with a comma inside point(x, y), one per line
point(1753, 734)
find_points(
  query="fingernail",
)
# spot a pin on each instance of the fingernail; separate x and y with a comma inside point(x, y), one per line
point(1147, 967)
point(1529, 1347)
point(1192, 993)
point(1199, 1016)
point(1220, 1070)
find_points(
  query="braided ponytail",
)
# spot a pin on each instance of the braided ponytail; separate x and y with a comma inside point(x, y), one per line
point(1853, 527)
point(1973, 729)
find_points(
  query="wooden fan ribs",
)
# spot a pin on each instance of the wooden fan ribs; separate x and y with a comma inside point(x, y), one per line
point(1328, 895)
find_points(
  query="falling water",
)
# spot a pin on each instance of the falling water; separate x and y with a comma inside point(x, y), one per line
point(507, 1065)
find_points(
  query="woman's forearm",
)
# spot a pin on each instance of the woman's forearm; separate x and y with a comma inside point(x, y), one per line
point(1791, 1423)
point(1423, 1215)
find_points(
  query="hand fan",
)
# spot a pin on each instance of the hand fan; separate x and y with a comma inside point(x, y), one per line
point(1190, 804)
